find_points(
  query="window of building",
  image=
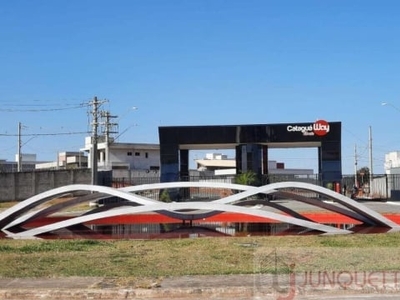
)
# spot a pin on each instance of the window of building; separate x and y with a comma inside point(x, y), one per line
point(137, 153)
point(146, 155)
point(129, 153)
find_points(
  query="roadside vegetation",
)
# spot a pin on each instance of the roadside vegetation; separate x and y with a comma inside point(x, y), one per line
point(198, 256)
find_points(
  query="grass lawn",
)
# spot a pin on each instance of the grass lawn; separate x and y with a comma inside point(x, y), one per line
point(198, 256)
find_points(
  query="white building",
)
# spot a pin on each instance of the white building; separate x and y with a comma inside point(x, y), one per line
point(26, 157)
point(27, 164)
point(392, 163)
point(65, 160)
point(124, 159)
point(222, 165)
point(124, 156)
point(217, 162)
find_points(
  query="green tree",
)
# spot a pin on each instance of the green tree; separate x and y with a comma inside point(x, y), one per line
point(247, 178)
point(363, 175)
point(165, 197)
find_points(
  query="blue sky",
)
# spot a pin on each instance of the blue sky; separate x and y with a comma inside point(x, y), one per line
point(200, 63)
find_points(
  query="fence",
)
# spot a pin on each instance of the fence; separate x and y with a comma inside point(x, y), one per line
point(384, 187)
point(19, 186)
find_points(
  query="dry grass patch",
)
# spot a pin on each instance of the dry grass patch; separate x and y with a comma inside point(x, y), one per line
point(149, 260)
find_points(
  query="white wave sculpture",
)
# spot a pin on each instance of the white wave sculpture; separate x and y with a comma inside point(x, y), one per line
point(13, 219)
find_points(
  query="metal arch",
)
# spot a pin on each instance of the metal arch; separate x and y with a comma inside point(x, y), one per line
point(8, 217)
point(172, 214)
point(54, 208)
point(37, 200)
point(178, 206)
point(359, 211)
point(345, 201)
point(183, 184)
point(13, 212)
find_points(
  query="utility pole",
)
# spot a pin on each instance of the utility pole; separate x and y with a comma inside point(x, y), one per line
point(355, 166)
point(107, 131)
point(19, 163)
point(95, 124)
point(370, 161)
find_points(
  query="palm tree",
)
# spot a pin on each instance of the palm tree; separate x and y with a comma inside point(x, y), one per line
point(247, 178)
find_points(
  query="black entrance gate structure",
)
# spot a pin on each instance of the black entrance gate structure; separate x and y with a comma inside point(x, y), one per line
point(251, 144)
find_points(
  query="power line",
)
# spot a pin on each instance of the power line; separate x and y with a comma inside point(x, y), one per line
point(83, 105)
point(47, 103)
point(46, 134)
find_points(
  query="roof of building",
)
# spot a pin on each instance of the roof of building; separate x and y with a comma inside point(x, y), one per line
point(220, 163)
point(124, 146)
point(138, 146)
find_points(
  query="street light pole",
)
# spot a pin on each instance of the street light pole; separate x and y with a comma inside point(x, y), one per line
point(390, 104)
point(371, 178)
point(19, 163)
point(119, 120)
point(355, 167)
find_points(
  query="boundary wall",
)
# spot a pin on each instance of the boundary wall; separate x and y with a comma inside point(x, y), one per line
point(22, 185)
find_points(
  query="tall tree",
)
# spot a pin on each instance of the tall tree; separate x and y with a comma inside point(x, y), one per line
point(363, 175)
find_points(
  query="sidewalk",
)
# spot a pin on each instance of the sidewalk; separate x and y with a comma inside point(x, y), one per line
point(184, 288)
point(238, 287)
